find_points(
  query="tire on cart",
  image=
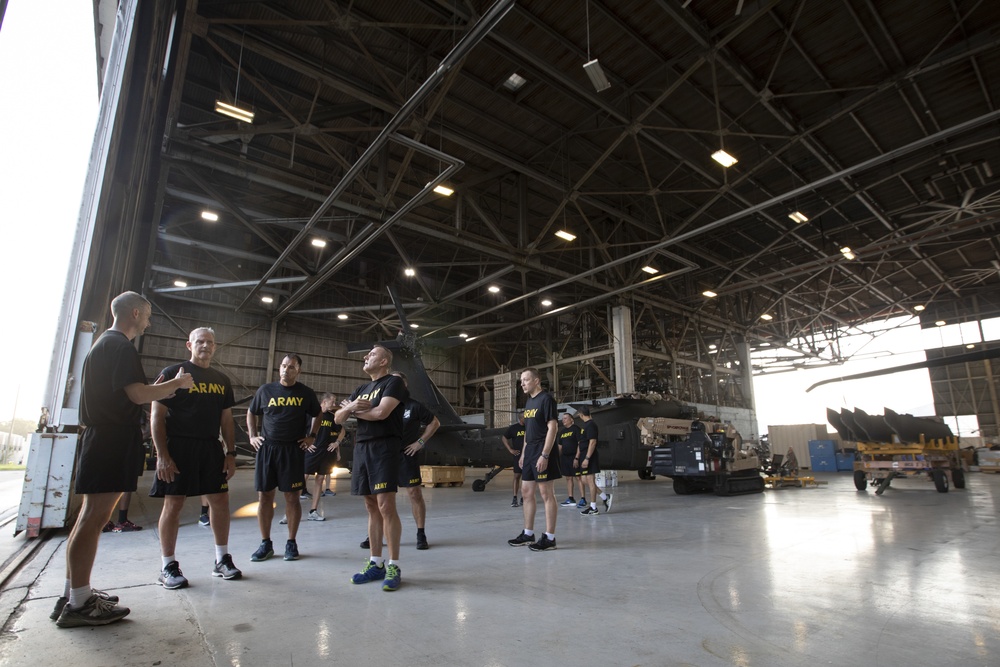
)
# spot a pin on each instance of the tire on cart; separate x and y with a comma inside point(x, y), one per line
point(860, 480)
point(958, 478)
point(681, 486)
point(940, 480)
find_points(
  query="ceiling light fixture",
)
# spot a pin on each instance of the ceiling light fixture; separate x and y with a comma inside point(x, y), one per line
point(180, 283)
point(319, 243)
point(847, 252)
point(444, 190)
point(709, 293)
point(650, 270)
point(593, 68)
point(566, 236)
point(463, 335)
point(233, 111)
point(546, 302)
point(514, 82)
point(409, 272)
point(940, 323)
point(766, 317)
point(210, 216)
point(342, 316)
point(919, 308)
point(724, 158)
point(267, 299)
point(493, 289)
point(798, 217)
point(414, 325)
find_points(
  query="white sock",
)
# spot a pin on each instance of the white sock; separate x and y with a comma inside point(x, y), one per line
point(529, 533)
point(551, 536)
point(69, 585)
point(393, 562)
point(378, 560)
point(593, 506)
point(78, 596)
point(604, 496)
point(220, 551)
point(167, 560)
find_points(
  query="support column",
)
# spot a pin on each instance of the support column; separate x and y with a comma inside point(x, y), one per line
point(621, 329)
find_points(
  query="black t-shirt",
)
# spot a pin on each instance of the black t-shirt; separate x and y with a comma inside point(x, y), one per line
point(568, 439)
point(286, 411)
point(392, 426)
point(515, 435)
point(111, 365)
point(588, 433)
point(197, 412)
point(328, 432)
point(538, 412)
point(415, 416)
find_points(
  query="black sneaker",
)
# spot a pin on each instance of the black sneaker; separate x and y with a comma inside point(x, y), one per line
point(543, 544)
point(95, 611)
point(422, 542)
point(171, 577)
point(513, 503)
point(607, 502)
point(366, 544)
point(203, 521)
point(521, 540)
point(291, 550)
point(264, 551)
point(590, 511)
point(62, 601)
point(226, 569)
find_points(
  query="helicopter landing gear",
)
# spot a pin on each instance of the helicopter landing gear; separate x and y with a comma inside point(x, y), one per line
point(480, 484)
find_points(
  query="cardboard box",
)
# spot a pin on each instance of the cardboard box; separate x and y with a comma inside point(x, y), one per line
point(443, 475)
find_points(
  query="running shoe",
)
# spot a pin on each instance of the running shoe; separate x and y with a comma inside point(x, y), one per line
point(521, 540)
point(422, 542)
point(226, 569)
point(126, 526)
point(544, 544)
point(520, 502)
point(371, 572)
point(291, 550)
point(284, 521)
point(95, 611)
point(513, 503)
point(590, 511)
point(264, 551)
point(366, 544)
point(108, 527)
point(329, 492)
point(171, 577)
point(315, 516)
point(203, 521)
point(582, 504)
point(306, 496)
point(569, 502)
point(62, 601)
point(607, 502)
point(392, 577)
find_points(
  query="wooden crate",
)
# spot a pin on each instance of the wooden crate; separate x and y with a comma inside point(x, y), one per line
point(442, 475)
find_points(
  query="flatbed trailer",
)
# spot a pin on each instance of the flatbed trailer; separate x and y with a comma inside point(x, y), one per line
point(881, 462)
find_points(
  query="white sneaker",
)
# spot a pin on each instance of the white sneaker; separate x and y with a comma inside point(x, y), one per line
point(284, 521)
point(315, 516)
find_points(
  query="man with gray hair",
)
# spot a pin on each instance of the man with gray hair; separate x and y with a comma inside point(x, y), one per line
point(191, 460)
point(113, 386)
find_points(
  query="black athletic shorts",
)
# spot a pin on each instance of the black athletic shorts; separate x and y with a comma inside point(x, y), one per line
point(320, 462)
point(530, 470)
point(375, 468)
point(280, 465)
point(593, 464)
point(566, 465)
point(409, 470)
point(108, 457)
point(517, 464)
point(201, 469)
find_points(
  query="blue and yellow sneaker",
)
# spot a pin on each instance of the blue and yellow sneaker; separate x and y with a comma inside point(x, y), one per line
point(392, 576)
point(371, 572)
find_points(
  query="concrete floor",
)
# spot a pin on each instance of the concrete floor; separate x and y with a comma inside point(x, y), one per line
point(819, 576)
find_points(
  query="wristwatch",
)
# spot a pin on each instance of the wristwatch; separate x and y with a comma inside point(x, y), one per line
point(421, 441)
point(544, 455)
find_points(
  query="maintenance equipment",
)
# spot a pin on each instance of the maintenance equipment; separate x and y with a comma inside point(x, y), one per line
point(707, 462)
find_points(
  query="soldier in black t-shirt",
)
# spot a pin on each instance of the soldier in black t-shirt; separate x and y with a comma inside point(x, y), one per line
point(513, 440)
point(568, 441)
point(324, 454)
point(191, 460)
point(113, 386)
point(378, 407)
point(279, 426)
point(419, 425)
point(540, 429)
point(590, 463)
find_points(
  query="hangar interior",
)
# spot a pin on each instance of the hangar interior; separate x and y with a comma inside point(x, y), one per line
point(866, 143)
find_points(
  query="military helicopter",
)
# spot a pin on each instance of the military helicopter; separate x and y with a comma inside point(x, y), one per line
point(457, 443)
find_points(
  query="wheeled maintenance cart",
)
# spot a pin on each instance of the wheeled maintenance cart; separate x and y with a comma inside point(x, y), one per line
point(881, 462)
